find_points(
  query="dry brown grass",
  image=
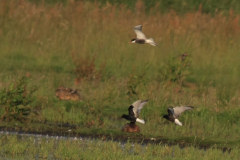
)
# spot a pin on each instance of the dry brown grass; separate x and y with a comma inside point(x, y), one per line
point(86, 69)
point(77, 16)
point(88, 29)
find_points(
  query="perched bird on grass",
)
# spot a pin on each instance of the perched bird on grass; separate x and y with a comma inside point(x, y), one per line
point(141, 38)
point(67, 94)
point(174, 113)
point(134, 111)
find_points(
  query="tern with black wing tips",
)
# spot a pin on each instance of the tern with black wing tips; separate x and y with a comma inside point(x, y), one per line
point(134, 111)
point(141, 38)
point(174, 113)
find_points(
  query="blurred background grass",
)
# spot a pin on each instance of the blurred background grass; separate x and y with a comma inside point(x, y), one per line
point(46, 41)
point(181, 7)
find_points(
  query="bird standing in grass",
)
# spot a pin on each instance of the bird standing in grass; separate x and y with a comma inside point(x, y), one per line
point(141, 38)
point(174, 113)
point(134, 111)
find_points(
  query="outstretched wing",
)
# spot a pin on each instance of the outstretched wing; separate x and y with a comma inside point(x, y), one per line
point(180, 109)
point(137, 106)
point(138, 31)
point(141, 105)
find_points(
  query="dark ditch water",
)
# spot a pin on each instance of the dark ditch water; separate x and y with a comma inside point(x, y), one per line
point(68, 134)
point(104, 137)
point(37, 139)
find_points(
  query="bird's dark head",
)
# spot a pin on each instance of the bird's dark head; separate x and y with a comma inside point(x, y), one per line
point(131, 107)
point(133, 41)
point(165, 116)
point(124, 116)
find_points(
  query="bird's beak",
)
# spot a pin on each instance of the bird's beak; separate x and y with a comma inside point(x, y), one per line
point(130, 42)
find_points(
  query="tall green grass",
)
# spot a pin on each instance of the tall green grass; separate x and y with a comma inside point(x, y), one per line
point(43, 42)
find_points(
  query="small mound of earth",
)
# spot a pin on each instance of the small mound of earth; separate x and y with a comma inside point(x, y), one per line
point(131, 128)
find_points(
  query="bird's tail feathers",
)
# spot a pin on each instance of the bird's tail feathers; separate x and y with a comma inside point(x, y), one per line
point(178, 122)
point(140, 121)
point(151, 41)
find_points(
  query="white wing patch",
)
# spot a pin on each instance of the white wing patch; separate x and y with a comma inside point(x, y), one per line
point(178, 122)
point(140, 121)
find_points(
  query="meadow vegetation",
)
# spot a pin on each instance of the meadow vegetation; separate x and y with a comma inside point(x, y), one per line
point(84, 46)
point(16, 101)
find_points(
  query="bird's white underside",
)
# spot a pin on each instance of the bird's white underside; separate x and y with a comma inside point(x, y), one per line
point(178, 122)
point(140, 121)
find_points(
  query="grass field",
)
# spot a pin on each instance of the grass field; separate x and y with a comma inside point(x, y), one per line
point(46, 43)
point(46, 148)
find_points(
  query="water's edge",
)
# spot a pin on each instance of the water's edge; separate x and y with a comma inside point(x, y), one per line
point(104, 137)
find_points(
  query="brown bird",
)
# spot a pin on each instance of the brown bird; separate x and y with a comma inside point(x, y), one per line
point(130, 127)
point(67, 94)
